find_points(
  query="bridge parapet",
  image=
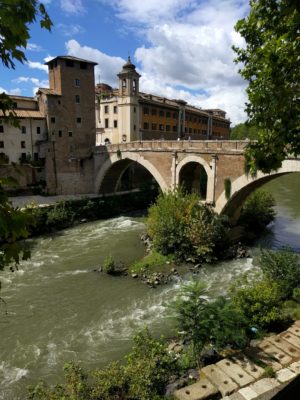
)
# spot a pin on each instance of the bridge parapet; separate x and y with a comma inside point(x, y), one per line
point(206, 146)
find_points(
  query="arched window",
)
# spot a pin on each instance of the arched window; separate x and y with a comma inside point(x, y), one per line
point(124, 83)
point(134, 86)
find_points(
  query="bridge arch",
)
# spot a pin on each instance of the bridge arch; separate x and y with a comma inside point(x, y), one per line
point(110, 172)
point(193, 160)
point(243, 186)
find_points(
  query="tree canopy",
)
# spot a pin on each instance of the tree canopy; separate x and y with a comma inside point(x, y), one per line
point(243, 131)
point(15, 19)
point(270, 62)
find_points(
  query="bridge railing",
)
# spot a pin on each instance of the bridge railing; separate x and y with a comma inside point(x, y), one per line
point(167, 145)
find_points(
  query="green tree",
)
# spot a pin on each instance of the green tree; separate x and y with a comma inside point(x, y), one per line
point(282, 267)
point(203, 322)
point(270, 62)
point(243, 131)
point(15, 19)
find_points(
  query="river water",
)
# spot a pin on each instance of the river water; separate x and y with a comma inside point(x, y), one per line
point(60, 309)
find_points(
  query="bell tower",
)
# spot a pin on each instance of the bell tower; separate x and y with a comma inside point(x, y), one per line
point(128, 103)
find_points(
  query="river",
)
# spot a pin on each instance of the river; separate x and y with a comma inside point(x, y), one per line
point(60, 309)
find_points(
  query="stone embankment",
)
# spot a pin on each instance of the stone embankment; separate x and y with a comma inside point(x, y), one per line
point(260, 373)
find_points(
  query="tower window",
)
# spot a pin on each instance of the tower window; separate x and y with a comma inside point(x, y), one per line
point(1, 128)
point(77, 82)
point(60, 133)
point(38, 130)
point(77, 98)
point(23, 129)
point(83, 65)
point(124, 83)
point(134, 86)
point(23, 144)
point(69, 63)
point(115, 123)
point(106, 121)
point(70, 133)
point(78, 120)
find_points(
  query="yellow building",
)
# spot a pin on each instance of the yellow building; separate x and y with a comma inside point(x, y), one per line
point(126, 114)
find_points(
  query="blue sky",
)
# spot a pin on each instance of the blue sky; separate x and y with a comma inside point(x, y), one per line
point(182, 48)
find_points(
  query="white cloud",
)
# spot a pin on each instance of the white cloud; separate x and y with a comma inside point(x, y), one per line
point(34, 47)
point(108, 66)
point(70, 30)
point(189, 44)
point(72, 6)
point(37, 65)
point(150, 11)
point(35, 81)
point(16, 91)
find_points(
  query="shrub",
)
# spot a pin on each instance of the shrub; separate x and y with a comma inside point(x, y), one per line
point(201, 322)
point(75, 388)
point(260, 301)
point(144, 376)
point(109, 265)
point(179, 225)
point(60, 216)
point(149, 368)
point(257, 211)
point(282, 267)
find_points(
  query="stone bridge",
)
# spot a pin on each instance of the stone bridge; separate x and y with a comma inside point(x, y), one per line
point(201, 166)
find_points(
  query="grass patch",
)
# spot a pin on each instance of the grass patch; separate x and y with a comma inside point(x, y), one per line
point(152, 262)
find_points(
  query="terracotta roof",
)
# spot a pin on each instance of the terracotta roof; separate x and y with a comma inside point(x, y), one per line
point(48, 91)
point(24, 98)
point(26, 114)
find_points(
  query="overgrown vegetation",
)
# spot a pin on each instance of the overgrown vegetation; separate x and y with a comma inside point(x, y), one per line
point(144, 375)
point(262, 298)
point(66, 213)
point(202, 322)
point(178, 224)
point(257, 211)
